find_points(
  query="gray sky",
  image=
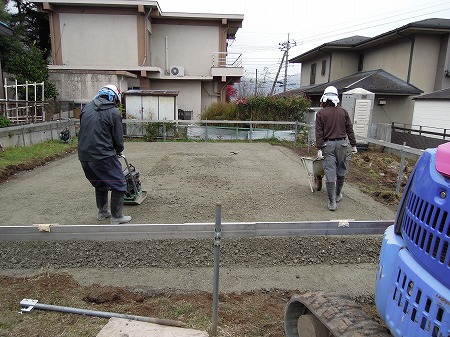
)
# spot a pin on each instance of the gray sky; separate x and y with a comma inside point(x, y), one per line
point(308, 23)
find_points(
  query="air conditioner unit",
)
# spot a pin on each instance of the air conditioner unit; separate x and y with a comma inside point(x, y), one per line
point(177, 71)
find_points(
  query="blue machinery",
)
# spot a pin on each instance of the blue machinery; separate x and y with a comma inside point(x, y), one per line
point(413, 278)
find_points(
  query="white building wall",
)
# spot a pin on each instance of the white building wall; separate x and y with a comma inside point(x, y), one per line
point(97, 40)
point(189, 46)
point(189, 97)
point(432, 114)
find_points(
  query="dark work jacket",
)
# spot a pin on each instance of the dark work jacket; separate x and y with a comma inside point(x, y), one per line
point(101, 133)
point(331, 123)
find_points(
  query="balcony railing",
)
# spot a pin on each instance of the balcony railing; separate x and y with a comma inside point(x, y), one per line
point(227, 60)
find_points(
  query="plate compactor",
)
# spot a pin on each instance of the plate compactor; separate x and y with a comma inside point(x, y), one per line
point(134, 195)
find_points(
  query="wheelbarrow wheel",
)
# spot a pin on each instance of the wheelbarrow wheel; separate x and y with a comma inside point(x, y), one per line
point(318, 183)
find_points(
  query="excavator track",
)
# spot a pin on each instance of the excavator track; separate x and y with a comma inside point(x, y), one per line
point(317, 314)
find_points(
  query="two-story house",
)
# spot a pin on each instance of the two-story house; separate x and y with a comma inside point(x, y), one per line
point(396, 66)
point(133, 44)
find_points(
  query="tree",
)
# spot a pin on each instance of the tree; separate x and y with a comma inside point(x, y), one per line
point(28, 64)
point(31, 26)
point(24, 54)
point(231, 92)
point(4, 16)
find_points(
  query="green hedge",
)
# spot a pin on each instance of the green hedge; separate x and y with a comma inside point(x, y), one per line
point(260, 108)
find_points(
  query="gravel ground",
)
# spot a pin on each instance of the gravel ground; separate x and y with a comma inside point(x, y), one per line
point(184, 181)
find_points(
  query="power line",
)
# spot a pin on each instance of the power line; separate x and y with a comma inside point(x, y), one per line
point(273, 62)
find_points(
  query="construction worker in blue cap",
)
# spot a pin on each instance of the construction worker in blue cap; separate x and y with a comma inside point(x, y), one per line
point(100, 141)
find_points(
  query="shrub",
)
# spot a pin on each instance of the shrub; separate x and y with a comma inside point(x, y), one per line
point(221, 111)
point(156, 130)
point(260, 108)
point(4, 122)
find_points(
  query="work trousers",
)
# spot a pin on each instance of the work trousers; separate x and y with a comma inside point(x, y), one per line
point(335, 158)
point(105, 174)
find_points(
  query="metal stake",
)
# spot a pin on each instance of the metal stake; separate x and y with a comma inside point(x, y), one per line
point(401, 168)
point(217, 234)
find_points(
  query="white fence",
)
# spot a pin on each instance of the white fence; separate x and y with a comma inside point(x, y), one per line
point(26, 111)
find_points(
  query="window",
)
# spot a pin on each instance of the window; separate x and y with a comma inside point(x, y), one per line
point(312, 77)
point(361, 62)
point(324, 67)
point(185, 114)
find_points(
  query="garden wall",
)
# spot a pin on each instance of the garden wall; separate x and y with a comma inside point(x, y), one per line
point(29, 134)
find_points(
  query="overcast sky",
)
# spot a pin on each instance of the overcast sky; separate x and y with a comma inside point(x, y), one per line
point(308, 23)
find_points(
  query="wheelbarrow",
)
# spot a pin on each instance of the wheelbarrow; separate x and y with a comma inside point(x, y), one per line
point(314, 169)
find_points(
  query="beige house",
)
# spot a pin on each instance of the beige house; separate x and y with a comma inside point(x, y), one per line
point(133, 44)
point(396, 66)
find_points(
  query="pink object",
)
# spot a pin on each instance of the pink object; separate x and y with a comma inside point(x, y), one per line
point(443, 159)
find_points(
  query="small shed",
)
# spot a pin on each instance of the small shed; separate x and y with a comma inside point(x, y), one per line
point(151, 104)
point(359, 104)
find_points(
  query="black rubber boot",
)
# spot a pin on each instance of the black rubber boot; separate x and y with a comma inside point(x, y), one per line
point(101, 198)
point(339, 185)
point(331, 190)
point(116, 209)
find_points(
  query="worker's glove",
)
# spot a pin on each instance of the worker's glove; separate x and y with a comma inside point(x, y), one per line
point(354, 150)
point(319, 154)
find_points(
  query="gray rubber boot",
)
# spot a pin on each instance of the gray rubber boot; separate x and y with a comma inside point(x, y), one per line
point(339, 185)
point(116, 209)
point(101, 197)
point(331, 190)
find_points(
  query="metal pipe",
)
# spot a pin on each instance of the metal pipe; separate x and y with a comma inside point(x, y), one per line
point(33, 304)
point(167, 71)
point(217, 234)
point(401, 168)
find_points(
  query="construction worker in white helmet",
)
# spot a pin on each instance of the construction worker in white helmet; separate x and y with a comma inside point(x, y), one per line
point(100, 141)
point(335, 139)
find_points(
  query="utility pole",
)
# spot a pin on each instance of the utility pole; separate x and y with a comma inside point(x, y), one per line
point(285, 46)
point(278, 73)
point(256, 83)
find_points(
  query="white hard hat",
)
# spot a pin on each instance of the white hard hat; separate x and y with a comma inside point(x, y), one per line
point(330, 91)
point(331, 94)
point(115, 89)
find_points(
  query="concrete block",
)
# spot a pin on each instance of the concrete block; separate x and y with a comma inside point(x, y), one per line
point(120, 327)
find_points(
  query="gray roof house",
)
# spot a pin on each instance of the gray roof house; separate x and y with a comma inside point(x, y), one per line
point(396, 66)
point(137, 46)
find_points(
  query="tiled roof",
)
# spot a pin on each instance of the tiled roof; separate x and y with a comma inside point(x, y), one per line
point(434, 23)
point(443, 94)
point(376, 81)
point(348, 41)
